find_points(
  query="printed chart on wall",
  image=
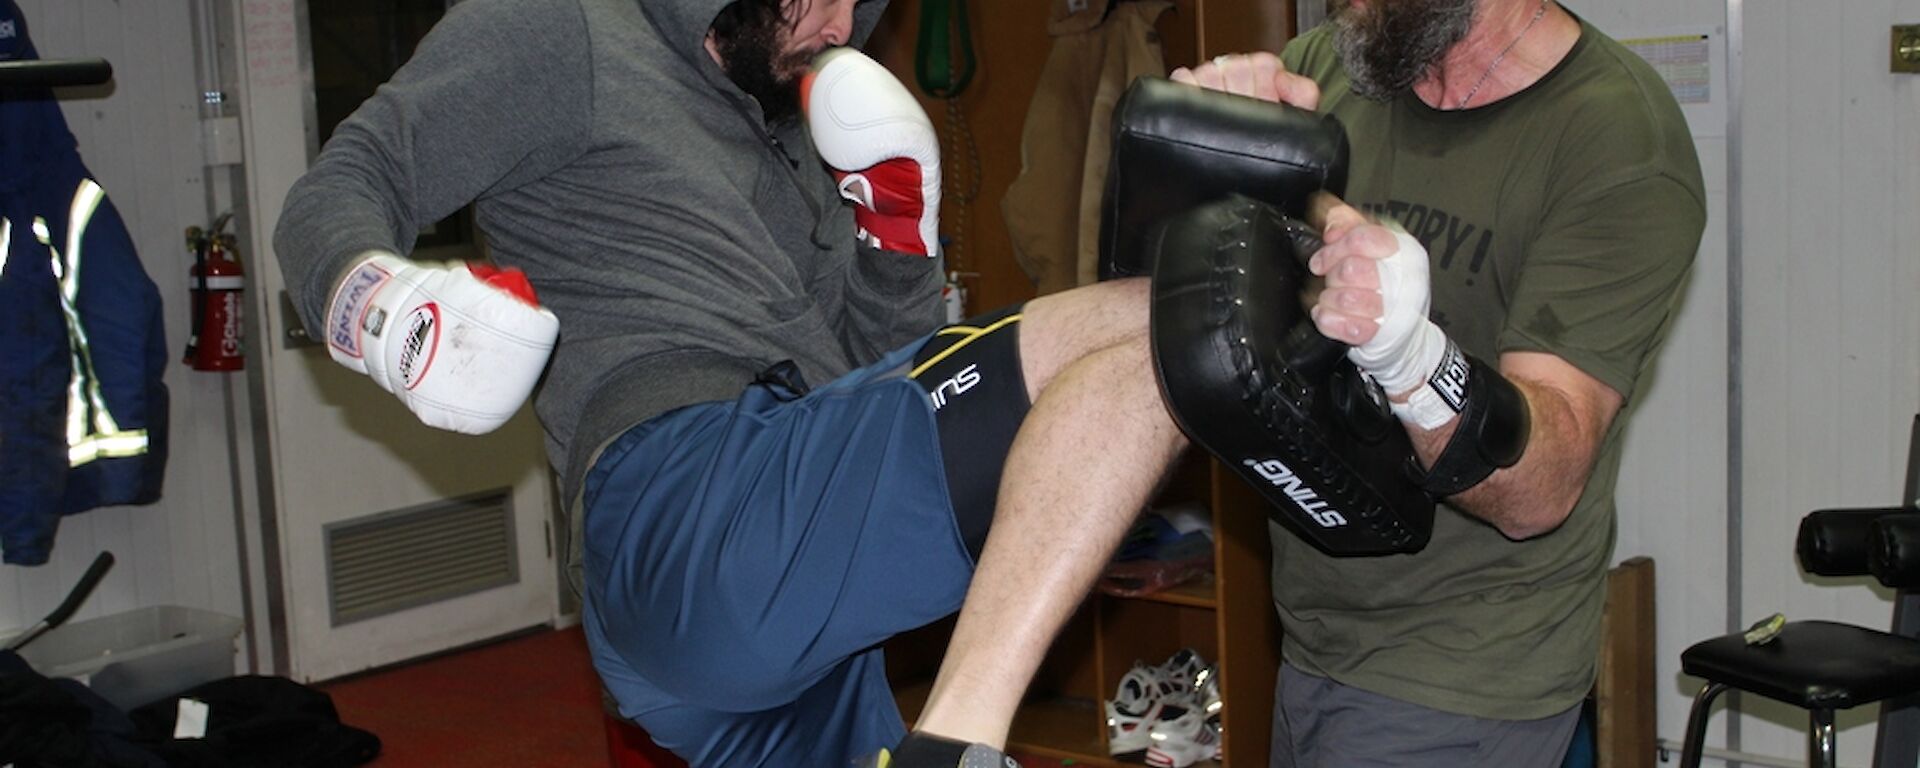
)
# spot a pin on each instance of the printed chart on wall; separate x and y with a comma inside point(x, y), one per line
point(1693, 61)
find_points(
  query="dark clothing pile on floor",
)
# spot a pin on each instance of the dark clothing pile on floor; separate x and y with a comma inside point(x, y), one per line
point(249, 721)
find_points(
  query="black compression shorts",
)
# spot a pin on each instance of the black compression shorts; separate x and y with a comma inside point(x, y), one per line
point(971, 372)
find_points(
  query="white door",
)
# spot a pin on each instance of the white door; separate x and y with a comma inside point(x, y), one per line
point(393, 540)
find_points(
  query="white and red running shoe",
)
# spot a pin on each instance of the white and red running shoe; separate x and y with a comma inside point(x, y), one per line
point(1136, 705)
point(1150, 696)
point(1183, 736)
point(1186, 669)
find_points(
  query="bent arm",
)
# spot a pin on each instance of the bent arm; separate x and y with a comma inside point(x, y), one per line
point(892, 298)
point(487, 101)
point(1570, 413)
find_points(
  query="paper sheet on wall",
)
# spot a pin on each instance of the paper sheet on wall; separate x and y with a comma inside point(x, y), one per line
point(1693, 62)
point(272, 43)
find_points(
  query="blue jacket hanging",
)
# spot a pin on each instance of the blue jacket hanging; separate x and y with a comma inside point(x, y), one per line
point(83, 412)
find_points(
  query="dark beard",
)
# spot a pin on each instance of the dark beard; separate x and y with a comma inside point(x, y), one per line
point(1388, 45)
point(753, 59)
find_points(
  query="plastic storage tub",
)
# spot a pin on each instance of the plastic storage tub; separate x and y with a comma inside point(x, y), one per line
point(139, 656)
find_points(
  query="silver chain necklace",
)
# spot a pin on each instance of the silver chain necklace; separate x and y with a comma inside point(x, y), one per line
point(1537, 13)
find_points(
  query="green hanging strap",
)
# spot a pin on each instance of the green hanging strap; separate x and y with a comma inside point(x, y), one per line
point(943, 32)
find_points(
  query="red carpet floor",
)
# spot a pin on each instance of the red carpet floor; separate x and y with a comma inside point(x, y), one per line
point(530, 701)
point(527, 702)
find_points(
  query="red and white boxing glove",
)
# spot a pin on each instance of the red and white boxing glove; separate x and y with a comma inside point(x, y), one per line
point(881, 147)
point(460, 344)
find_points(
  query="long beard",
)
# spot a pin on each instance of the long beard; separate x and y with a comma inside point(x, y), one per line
point(1388, 45)
point(755, 59)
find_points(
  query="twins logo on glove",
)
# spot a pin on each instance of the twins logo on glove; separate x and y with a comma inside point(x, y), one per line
point(461, 345)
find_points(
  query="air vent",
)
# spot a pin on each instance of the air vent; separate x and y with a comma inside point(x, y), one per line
point(399, 559)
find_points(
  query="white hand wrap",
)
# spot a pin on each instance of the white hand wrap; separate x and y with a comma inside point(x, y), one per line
point(1405, 353)
point(462, 353)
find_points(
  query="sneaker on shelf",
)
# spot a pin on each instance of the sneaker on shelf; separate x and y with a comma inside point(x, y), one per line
point(1206, 694)
point(1135, 706)
point(1186, 669)
point(923, 750)
point(1181, 737)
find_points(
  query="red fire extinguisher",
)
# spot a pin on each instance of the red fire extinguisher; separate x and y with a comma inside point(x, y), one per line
point(217, 285)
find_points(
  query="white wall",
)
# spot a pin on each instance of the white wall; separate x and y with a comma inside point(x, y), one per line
point(1828, 364)
point(1673, 498)
point(141, 139)
point(1831, 326)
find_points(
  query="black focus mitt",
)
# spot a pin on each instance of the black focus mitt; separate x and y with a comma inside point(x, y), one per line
point(1249, 378)
point(1176, 146)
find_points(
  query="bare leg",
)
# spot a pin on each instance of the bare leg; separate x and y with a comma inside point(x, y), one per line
point(1084, 463)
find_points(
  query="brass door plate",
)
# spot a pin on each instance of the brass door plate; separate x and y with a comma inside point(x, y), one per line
point(1906, 48)
point(296, 335)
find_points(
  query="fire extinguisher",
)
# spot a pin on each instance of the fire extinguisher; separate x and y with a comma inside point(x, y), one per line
point(214, 342)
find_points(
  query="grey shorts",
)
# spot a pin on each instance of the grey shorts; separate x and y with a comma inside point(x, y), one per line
point(1319, 723)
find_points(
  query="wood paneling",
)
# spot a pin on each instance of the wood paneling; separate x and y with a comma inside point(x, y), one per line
point(1010, 43)
point(1623, 694)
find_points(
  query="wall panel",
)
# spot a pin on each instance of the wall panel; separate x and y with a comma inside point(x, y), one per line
point(1672, 497)
point(140, 135)
point(1833, 336)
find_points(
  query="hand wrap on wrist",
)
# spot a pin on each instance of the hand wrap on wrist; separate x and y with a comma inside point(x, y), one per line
point(1493, 429)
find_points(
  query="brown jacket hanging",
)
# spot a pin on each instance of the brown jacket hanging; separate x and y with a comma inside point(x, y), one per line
point(1052, 209)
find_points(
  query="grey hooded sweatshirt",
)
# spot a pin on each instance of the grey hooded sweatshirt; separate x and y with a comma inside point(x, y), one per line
point(684, 246)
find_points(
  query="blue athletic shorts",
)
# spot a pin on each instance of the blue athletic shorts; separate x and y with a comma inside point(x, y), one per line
point(744, 559)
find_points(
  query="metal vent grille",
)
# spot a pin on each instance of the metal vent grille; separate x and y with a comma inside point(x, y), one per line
point(395, 560)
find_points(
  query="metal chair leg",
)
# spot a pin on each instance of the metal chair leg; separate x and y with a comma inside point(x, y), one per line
point(1697, 724)
point(1820, 747)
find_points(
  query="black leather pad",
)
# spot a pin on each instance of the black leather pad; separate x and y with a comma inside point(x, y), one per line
point(1812, 664)
point(1176, 146)
point(1248, 377)
point(1833, 542)
point(1894, 544)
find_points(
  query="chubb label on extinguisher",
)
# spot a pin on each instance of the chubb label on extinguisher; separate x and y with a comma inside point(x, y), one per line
point(417, 345)
point(230, 330)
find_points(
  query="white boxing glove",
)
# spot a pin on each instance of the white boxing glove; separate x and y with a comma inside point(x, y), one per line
point(1406, 355)
point(460, 344)
point(881, 147)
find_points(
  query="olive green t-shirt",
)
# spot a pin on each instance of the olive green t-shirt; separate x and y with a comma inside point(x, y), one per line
point(1562, 219)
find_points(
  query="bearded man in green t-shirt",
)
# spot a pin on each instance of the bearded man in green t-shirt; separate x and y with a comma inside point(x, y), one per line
point(1545, 176)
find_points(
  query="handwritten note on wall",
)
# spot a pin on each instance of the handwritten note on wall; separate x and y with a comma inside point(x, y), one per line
point(273, 43)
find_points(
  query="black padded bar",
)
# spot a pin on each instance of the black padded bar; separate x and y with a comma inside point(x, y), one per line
point(1893, 544)
point(1176, 146)
point(52, 73)
point(1833, 542)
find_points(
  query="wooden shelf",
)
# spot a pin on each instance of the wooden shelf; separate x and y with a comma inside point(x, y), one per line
point(1199, 593)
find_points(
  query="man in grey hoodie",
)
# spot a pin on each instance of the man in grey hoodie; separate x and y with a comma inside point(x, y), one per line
point(744, 541)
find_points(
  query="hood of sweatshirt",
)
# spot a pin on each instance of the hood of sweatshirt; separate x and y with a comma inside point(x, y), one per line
point(683, 25)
